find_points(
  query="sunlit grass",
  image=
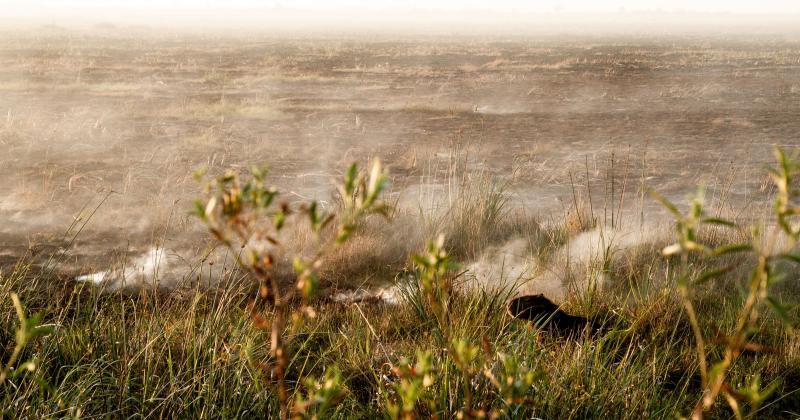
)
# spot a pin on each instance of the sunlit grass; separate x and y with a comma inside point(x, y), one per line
point(195, 352)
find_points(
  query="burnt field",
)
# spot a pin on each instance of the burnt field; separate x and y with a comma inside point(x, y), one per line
point(88, 113)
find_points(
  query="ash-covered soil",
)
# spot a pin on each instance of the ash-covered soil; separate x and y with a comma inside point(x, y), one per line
point(127, 116)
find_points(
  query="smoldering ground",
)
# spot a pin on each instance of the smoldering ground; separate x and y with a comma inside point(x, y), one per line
point(123, 119)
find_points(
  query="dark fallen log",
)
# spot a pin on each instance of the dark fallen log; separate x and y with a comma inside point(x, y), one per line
point(547, 315)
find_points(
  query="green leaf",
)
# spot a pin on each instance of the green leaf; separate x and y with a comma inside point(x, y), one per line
point(344, 233)
point(716, 370)
point(259, 173)
point(313, 216)
point(697, 203)
point(325, 222)
point(381, 209)
point(199, 173)
point(376, 184)
point(23, 368)
point(779, 309)
point(666, 203)
point(790, 257)
point(309, 285)
point(33, 329)
point(279, 219)
point(267, 197)
point(200, 211)
point(419, 260)
point(729, 249)
point(350, 179)
point(765, 393)
point(718, 221)
point(299, 267)
point(712, 274)
point(784, 163)
point(785, 226)
point(307, 281)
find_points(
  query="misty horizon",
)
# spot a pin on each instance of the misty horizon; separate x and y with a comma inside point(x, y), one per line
point(499, 17)
point(296, 21)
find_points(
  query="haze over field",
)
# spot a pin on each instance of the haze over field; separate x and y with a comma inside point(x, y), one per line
point(41, 8)
point(91, 111)
point(504, 245)
point(505, 17)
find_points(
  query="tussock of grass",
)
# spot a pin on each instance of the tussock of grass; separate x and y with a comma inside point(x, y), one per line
point(476, 217)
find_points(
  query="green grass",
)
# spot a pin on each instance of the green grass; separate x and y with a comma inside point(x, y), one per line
point(196, 354)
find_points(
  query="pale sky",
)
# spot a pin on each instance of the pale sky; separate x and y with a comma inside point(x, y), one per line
point(32, 7)
point(309, 14)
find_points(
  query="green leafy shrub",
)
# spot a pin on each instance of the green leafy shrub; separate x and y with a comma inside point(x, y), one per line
point(768, 247)
point(246, 215)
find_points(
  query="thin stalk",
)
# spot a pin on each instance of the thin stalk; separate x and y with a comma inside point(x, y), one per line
point(20, 340)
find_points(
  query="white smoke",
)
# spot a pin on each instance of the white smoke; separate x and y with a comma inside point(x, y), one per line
point(575, 265)
point(161, 268)
point(142, 271)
